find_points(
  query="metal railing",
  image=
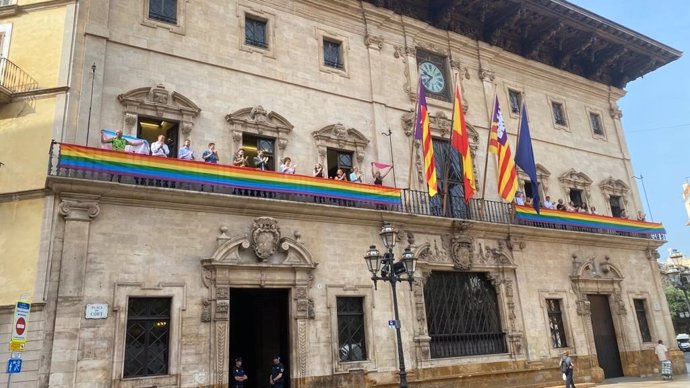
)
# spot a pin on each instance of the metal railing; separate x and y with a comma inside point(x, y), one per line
point(412, 201)
point(14, 79)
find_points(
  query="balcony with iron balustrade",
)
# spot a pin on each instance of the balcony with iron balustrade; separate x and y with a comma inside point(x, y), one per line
point(93, 164)
point(14, 81)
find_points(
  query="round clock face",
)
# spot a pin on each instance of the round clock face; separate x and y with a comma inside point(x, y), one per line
point(432, 77)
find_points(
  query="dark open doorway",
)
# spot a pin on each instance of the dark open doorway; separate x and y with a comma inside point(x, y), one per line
point(150, 128)
point(259, 329)
point(605, 336)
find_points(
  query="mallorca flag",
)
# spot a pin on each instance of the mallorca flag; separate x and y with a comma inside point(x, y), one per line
point(423, 133)
point(458, 138)
point(498, 144)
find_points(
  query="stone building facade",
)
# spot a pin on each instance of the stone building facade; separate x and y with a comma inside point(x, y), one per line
point(204, 274)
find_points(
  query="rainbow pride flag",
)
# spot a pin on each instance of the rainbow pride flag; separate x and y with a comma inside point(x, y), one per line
point(143, 166)
point(559, 217)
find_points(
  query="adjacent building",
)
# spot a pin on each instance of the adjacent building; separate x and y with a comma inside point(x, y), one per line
point(197, 263)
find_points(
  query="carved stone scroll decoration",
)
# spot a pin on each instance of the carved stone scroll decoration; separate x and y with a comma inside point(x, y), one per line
point(257, 120)
point(340, 137)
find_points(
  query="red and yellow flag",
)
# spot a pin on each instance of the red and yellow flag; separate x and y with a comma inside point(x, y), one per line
point(459, 141)
point(423, 133)
point(498, 144)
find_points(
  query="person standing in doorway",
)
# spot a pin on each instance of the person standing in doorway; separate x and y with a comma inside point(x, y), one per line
point(277, 373)
point(159, 148)
point(567, 366)
point(238, 374)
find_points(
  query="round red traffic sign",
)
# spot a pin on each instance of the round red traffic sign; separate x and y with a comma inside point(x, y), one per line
point(20, 326)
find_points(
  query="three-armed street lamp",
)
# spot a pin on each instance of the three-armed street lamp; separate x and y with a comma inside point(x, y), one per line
point(393, 272)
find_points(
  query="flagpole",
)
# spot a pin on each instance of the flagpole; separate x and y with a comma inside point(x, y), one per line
point(488, 145)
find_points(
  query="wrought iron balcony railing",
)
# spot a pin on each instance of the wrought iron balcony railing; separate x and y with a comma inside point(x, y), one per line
point(79, 162)
point(14, 79)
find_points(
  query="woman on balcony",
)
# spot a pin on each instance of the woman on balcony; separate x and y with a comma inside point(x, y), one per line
point(287, 167)
point(318, 171)
point(261, 161)
point(239, 160)
point(340, 175)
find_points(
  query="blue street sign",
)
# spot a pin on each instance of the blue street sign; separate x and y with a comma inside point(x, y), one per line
point(393, 324)
point(14, 365)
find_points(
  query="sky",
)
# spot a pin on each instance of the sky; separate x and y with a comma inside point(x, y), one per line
point(656, 111)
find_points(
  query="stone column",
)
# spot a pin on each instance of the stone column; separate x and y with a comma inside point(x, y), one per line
point(78, 211)
point(221, 328)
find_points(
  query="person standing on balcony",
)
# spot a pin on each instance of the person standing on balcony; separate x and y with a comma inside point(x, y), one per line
point(118, 142)
point(547, 203)
point(159, 148)
point(356, 175)
point(186, 152)
point(239, 160)
point(340, 175)
point(318, 171)
point(261, 161)
point(376, 174)
point(519, 199)
point(211, 154)
point(287, 167)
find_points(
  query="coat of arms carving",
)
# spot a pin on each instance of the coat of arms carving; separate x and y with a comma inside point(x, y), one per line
point(265, 237)
point(462, 252)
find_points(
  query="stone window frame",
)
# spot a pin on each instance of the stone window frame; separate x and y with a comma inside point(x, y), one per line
point(259, 122)
point(615, 187)
point(572, 179)
point(466, 254)
point(562, 295)
point(650, 308)
point(259, 14)
point(178, 27)
point(158, 102)
point(596, 112)
point(512, 87)
point(542, 177)
point(337, 136)
point(6, 30)
point(366, 292)
point(121, 294)
point(332, 36)
point(556, 100)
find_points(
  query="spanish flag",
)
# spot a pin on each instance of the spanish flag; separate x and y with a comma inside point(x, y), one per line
point(498, 144)
point(458, 139)
point(423, 133)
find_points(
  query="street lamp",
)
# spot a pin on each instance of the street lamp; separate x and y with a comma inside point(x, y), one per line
point(387, 269)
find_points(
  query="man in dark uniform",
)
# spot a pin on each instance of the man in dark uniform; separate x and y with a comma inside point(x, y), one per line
point(277, 373)
point(238, 375)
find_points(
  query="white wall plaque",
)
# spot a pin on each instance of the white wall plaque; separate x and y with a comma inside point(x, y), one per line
point(96, 311)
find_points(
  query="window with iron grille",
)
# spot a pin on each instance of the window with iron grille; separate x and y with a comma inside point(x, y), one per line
point(556, 323)
point(515, 99)
point(641, 313)
point(462, 315)
point(351, 341)
point(163, 10)
point(338, 159)
point(255, 31)
point(597, 128)
point(147, 338)
point(333, 54)
point(558, 113)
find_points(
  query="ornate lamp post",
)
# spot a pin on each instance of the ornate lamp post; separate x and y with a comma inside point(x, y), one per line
point(387, 269)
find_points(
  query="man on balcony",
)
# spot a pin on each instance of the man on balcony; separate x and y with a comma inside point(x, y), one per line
point(159, 148)
point(118, 142)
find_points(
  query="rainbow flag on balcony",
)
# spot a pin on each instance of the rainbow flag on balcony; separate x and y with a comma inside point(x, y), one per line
point(584, 220)
point(143, 166)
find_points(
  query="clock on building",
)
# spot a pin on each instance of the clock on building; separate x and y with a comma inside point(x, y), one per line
point(433, 72)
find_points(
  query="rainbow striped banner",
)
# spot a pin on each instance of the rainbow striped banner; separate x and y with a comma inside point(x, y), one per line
point(144, 166)
point(560, 217)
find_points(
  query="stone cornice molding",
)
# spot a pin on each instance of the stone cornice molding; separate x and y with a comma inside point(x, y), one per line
point(79, 207)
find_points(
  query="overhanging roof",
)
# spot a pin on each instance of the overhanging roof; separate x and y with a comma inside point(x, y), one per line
point(553, 32)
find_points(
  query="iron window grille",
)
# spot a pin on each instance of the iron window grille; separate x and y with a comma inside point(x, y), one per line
point(597, 128)
point(641, 313)
point(450, 178)
point(515, 99)
point(462, 315)
point(147, 338)
point(333, 54)
point(255, 32)
point(163, 10)
point(556, 326)
point(351, 340)
point(558, 114)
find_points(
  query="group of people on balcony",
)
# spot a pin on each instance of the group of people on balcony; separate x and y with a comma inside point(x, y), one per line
point(240, 159)
point(569, 207)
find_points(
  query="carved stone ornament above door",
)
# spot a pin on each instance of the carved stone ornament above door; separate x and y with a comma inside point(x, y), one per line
point(157, 102)
point(340, 137)
point(258, 121)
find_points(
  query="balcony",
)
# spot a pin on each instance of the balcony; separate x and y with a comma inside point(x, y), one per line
point(79, 162)
point(13, 81)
